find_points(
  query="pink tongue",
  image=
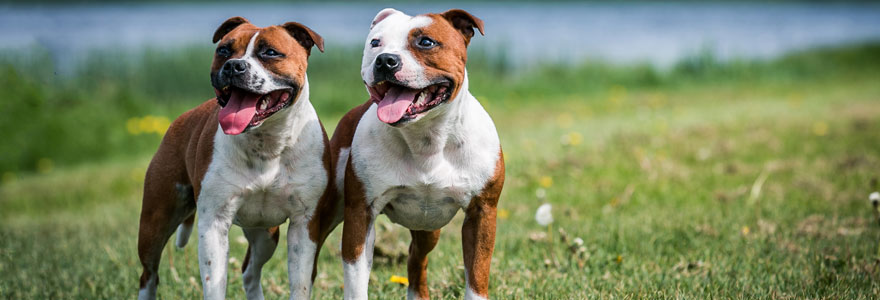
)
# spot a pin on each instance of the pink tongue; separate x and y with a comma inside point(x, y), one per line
point(238, 112)
point(394, 105)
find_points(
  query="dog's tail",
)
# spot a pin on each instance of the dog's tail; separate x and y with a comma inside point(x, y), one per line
point(184, 230)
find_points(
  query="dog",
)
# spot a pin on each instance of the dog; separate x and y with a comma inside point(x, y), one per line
point(421, 149)
point(256, 156)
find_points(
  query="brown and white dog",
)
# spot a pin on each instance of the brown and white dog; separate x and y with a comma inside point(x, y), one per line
point(255, 156)
point(421, 149)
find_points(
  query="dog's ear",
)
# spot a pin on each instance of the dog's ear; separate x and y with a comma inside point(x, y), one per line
point(228, 26)
point(464, 22)
point(382, 15)
point(305, 36)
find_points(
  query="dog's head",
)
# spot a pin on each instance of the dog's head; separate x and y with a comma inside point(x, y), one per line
point(258, 72)
point(412, 65)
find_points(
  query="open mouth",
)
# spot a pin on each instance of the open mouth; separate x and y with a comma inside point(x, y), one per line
point(242, 109)
point(399, 103)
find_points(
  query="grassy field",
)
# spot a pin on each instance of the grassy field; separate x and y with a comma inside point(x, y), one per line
point(745, 179)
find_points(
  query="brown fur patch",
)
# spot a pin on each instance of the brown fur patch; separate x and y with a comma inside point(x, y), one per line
point(227, 26)
point(478, 231)
point(448, 58)
point(182, 158)
point(357, 214)
point(357, 217)
point(294, 60)
point(417, 264)
point(344, 132)
point(292, 40)
point(464, 22)
point(237, 41)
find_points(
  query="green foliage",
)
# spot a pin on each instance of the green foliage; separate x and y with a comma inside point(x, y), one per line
point(71, 114)
point(661, 180)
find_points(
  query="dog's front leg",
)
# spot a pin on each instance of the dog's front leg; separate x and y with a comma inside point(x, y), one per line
point(358, 237)
point(478, 243)
point(300, 258)
point(215, 218)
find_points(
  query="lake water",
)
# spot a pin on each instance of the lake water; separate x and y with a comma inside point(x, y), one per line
point(660, 33)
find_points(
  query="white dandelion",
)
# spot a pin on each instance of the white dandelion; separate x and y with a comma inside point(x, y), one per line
point(544, 216)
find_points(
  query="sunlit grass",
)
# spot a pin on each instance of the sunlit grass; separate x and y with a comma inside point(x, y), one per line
point(752, 187)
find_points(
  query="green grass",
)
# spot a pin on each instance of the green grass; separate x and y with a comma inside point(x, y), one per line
point(745, 180)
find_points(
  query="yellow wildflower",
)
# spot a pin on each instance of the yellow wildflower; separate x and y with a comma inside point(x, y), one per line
point(546, 181)
point(145, 124)
point(503, 214)
point(160, 125)
point(399, 279)
point(575, 138)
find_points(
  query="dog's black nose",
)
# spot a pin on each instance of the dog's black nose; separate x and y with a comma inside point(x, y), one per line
point(387, 63)
point(236, 66)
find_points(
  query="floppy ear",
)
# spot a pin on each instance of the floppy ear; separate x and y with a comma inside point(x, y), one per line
point(228, 26)
point(305, 36)
point(464, 22)
point(382, 15)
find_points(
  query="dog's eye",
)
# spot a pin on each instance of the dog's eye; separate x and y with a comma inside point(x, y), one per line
point(374, 43)
point(426, 43)
point(269, 52)
point(224, 51)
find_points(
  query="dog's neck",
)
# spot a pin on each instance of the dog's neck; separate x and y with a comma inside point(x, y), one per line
point(440, 129)
point(277, 133)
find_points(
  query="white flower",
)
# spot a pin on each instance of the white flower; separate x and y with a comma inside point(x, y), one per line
point(544, 216)
point(578, 241)
point(875, 197)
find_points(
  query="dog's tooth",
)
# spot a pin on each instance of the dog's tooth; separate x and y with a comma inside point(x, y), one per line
point(264, 103)
point(422, 97)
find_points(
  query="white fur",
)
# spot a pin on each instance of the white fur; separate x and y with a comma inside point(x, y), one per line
point(149, 290)
point(393, 35)
point(469, 294)
point(412, 294)
point(300, 258)
point(342, 161)
point(428, 169)
point(283, 180)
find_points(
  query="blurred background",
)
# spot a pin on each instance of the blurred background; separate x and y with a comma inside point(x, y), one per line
point(696, 149)
point(79, 72)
